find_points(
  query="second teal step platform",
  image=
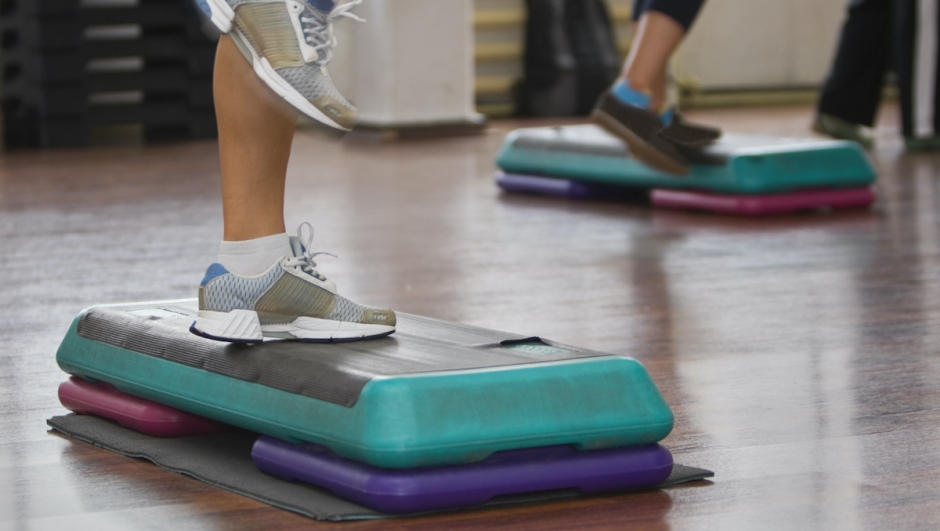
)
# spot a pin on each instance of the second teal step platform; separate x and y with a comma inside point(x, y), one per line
point(753, 164)
point(434, 393)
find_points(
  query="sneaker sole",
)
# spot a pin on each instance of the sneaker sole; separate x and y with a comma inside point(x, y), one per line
point(312, 330)
point(236, 326)
point(867, 143)
point(702, 142)
point(639, 148)
point(222, 16)
point(243, 326)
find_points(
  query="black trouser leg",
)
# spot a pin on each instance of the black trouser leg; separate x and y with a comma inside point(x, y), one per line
point(913, 63)
point(682, 11)
point(853, 90)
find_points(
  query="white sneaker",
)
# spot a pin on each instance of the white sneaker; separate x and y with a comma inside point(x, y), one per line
point(289, 43)
point(291, 300)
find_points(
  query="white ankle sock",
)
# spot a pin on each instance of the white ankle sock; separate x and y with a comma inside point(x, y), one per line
point(249, 258)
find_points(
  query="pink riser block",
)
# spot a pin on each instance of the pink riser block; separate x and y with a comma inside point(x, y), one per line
point(151, 418)
point(762, 205)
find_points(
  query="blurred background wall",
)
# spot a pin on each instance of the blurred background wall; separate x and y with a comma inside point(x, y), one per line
point(739, 51)
point(760, 44)
point(413, 62)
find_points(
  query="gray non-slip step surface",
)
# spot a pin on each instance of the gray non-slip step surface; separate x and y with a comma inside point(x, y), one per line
point(332, 372)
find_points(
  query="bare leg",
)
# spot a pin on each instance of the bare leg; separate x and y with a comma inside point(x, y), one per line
point(633, 108)
point(657, 37)
point(256, 128)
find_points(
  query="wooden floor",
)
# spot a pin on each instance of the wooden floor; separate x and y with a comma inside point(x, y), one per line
point(801, 354)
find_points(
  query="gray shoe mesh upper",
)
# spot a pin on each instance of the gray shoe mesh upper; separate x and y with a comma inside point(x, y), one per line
point(291, 297)
point(267, 295)
point(311, 83)
point(230, 292)
point(347, 310)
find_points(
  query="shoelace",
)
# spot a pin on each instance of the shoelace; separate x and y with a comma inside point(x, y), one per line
point(306, 262)
point(318, 28)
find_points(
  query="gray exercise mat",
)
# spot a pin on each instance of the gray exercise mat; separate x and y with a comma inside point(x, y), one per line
point(224, 460)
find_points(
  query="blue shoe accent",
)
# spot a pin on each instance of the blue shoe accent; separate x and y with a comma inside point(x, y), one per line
point(622, 91)
point(215, 270)
point(667, 116)
point(204, 6)
point(323, 5)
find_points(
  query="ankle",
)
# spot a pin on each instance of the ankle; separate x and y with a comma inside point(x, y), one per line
point(627, 93)
point(252, 257)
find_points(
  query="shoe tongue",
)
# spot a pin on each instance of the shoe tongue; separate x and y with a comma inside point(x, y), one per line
point(323, 5)
point(296, 246)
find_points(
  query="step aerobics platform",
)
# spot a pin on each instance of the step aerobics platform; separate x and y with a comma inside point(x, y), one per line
point(433, 393)
point(751, 165)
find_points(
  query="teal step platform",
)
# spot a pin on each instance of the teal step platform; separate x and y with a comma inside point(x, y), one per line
point(752, 164)
point(434, 393)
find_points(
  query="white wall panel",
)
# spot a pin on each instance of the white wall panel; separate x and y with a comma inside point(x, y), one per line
point(411, 63)
point(747, 44)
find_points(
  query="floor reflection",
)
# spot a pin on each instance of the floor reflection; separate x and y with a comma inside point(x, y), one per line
point(763, 320)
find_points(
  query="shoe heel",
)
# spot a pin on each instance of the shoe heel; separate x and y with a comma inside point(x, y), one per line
point(236, 326)
point(221, 14)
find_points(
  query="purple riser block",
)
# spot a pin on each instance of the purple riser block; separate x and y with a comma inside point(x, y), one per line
point(434, 488)
point(151, 418)
point(532, 184)
point(762, 205)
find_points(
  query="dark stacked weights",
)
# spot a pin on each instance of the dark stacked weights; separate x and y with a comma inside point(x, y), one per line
point(70, 66)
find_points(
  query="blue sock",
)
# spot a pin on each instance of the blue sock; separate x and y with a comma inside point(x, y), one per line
point(667, 116)
point(622, 91)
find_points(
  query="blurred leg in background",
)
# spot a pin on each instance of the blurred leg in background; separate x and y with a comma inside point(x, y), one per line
point(916, 58)
point(850, 98)
point(635, 106)
point(661, 26)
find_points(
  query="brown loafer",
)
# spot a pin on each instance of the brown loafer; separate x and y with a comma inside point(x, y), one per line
point(639, 128)
point(687, 133)
point(701, 156)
